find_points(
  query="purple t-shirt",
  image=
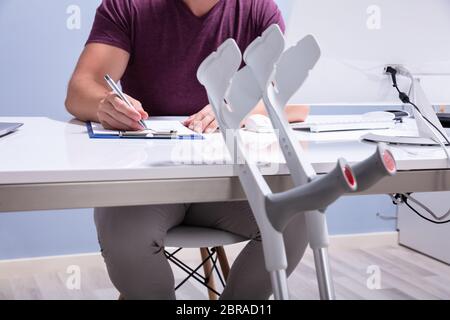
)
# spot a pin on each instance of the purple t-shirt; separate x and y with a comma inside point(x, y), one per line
point(167, 44)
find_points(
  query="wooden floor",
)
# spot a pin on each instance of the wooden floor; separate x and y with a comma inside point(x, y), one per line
point(405, 274)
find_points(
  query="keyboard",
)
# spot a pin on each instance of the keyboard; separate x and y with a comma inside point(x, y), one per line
point(369, 121)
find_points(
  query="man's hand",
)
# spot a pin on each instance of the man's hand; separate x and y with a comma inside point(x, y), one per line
point(203, 121)
point(113, 113)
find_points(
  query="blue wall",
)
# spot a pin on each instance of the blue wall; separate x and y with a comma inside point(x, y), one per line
point(37, 58)
point(38, 55)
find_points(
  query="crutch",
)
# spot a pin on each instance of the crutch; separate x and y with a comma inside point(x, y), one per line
point(279, 80)
point(233, 95)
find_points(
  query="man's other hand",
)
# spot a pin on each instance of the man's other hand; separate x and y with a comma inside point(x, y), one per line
point(203, 121)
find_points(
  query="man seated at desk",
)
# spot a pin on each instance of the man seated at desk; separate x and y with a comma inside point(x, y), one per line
point(154, 48)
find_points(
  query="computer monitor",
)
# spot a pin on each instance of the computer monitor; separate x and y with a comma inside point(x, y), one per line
point(358, 38)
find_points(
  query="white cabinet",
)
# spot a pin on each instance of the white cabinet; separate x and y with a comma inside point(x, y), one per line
point(423, 236)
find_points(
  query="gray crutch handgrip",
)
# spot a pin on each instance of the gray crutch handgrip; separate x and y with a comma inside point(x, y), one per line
point(374, 168)
point(317, 194)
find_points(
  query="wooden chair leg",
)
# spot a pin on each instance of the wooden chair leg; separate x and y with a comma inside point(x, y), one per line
point(207, 268)
point(224, 265)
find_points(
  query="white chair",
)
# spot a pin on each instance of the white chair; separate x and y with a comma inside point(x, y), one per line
point(211, 243)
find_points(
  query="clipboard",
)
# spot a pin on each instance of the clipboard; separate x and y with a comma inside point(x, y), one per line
point(169, 130)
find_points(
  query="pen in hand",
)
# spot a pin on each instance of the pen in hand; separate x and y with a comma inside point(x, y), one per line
point(121, 95)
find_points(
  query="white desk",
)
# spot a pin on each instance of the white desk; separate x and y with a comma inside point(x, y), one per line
point(50, 164)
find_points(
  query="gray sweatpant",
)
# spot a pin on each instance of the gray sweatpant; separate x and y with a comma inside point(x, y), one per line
point(132, 244)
